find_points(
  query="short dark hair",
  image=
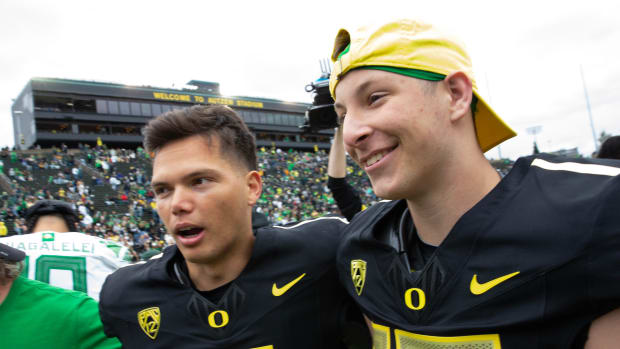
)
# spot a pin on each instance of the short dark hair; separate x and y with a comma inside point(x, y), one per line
point(58, 208)
point(610, 148)
point(233, 133)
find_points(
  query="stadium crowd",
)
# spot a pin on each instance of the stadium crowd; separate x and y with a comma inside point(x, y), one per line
point(110, 188)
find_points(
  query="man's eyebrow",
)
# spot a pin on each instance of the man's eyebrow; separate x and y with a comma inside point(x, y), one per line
point(203, 172)
point(157, 184)
point(364, 86)
point(361, 88)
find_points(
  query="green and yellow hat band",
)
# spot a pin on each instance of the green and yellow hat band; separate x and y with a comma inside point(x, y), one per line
point(414, 73)
point(418, 50)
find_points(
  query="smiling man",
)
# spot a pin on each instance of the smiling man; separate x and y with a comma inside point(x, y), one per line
point(462, 258)
point(223, 285)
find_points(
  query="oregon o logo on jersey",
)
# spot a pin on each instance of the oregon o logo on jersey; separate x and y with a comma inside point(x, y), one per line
point(409, 300)
point(223, 321)
point(149, 320)
point(358, 274)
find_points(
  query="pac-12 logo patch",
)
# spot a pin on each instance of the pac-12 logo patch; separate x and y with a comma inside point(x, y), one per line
point(149, 320)
point(358, 274)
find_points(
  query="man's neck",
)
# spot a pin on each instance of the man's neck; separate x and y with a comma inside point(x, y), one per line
point(50, 223)
point(211, 275)
point(435, 214)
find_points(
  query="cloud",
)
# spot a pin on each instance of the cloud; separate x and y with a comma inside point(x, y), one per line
point(526, 54)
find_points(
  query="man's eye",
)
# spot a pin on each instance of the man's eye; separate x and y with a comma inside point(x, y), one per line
point(202, 180)
point(160, 191)
point(375, 97)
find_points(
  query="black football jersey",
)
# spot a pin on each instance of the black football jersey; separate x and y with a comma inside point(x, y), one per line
point(529, 266)
point(288, 296)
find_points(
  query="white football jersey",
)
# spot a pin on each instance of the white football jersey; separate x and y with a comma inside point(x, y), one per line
point(74, 261)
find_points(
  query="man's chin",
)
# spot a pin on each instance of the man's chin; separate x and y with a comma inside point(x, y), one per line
point(196, 257)
point(383, 192)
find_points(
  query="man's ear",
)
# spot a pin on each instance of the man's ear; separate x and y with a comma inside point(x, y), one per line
point(255, 187)
point(460, 89)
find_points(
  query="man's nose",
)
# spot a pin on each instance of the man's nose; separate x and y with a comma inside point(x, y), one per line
point(181, 201)
point(355, 131)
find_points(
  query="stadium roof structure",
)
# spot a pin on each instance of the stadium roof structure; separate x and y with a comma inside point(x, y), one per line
point(154, 92)
point(49, 111)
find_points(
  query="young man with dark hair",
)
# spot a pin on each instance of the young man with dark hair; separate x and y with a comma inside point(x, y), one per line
point(462, 258)
point(223, 285)
point(36, 315)
point(51, 215)
point(61, 256)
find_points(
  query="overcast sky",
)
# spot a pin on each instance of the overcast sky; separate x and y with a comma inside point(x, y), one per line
point(527, 54)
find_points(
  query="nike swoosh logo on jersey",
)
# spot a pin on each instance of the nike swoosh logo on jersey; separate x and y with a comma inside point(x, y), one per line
point(478, 289)
point(278, 291)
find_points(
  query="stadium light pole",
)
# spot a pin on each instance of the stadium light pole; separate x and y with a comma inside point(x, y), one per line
point(585, 90)
point(534, 130)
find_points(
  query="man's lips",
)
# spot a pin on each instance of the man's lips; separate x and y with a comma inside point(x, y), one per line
point(188, 231)
point(375, 157)
point(188, 234)
point(190, 237)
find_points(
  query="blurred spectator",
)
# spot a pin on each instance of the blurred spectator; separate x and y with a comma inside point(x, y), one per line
point(114, 182)
point(55, 223)
point(51, 215)
point(296, 191)
point(36, 315)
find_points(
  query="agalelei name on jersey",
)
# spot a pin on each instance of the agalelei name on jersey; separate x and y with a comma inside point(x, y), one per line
point(80, 247)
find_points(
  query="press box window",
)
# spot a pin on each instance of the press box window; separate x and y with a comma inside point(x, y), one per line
point(113, 107)
point(124, 106)
point(53, 103)
point(135, 109)
point(84, 105)
point(102, 106)
point(146, 109)
point(156, 109)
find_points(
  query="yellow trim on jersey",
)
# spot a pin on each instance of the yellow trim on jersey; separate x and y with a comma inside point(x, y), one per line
point(408, 340)
point(380, 336)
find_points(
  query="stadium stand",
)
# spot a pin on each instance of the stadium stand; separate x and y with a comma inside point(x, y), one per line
point(111, 189)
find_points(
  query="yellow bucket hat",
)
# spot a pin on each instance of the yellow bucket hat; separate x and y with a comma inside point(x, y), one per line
point(416, 49)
